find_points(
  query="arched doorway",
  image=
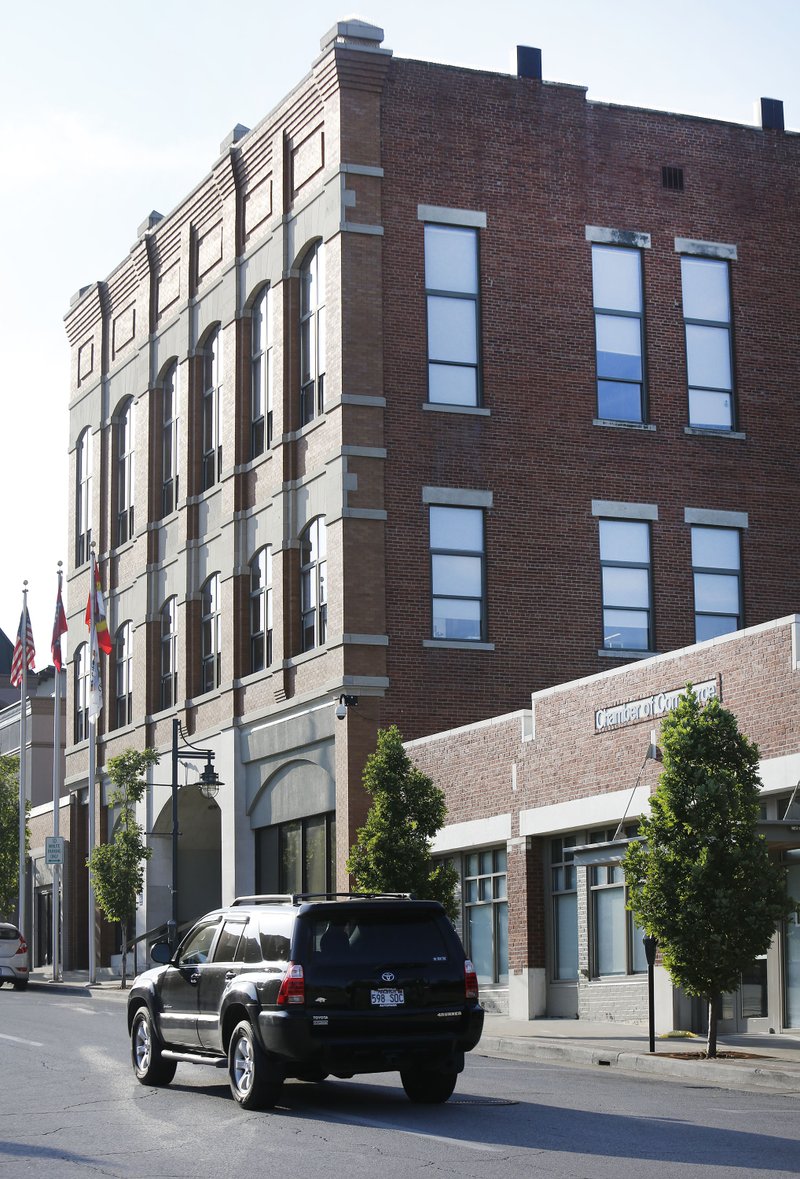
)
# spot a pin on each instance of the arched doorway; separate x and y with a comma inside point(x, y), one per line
point(199, 860)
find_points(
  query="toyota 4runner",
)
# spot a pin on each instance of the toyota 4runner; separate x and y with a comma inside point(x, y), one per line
point(305, 986)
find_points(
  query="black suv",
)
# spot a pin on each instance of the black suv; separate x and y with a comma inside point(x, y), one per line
point(306, 986)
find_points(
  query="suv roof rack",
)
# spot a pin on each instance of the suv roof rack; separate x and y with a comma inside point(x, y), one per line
point(356, 896)
point(281, 898)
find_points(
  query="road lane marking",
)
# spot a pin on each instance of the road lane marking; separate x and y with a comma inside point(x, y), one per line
point(17, 1040)
point(369, 1124)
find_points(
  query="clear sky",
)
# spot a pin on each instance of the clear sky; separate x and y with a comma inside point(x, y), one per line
point(109, 109)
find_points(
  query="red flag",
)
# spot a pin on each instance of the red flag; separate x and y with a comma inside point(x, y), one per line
point(30, 653)
point(59, 628)
point(100, 624)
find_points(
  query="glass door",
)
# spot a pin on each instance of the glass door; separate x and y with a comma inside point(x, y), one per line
point(745, 1010)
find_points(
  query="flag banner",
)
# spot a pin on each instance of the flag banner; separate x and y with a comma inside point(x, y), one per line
point(95, 684)
point(100, 624)
point(59, 628)
point(30, 652)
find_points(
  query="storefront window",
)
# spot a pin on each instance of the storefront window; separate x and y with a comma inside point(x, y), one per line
point(565, 907)
point(486, 907)
point(298, 856)
point(616, 938)
point(792, 945)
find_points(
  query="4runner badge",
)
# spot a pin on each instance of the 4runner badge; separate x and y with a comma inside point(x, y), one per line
point(387, 976)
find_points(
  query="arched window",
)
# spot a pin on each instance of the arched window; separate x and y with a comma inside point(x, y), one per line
point(261, 610)
point(83, 497)
point(82, 687)
point(312, 334)
point(169, 654)
point(125, 473)
point(169, 441)
point(313, 585)
point(210, 634)
point(212, 410)
point(123, 654)
point(261, 373)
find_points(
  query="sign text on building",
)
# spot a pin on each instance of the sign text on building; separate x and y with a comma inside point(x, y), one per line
point(649, 707)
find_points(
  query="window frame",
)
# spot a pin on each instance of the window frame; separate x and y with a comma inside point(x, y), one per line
point(720, 325)
point(82, 690)
point(313, 585)
point(261, 609)
point(621, 313)
point(495, 882)
point(170, 401)
point(440, 551)
point(123, 676)
point(210, 634)
point(211, 416)
point(610, 563)
point(168, 683)
point(84, 461)
point(472, 297)
point(718, 571)
point(564, 885)
point(312, 334)
point(125, 472)
point(261, 379)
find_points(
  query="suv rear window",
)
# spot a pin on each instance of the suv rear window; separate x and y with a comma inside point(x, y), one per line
point(369, 938)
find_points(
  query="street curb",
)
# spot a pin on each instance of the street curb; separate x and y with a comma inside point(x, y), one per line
point(735, 1075)
point(77, 988)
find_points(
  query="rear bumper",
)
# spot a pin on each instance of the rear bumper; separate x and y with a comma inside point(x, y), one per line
point(345, 1045)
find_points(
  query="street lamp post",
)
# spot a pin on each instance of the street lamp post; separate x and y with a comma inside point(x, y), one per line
point(209, 788)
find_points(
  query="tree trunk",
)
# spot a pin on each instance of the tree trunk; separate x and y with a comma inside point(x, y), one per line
point(711, 1046)
point(124, 980)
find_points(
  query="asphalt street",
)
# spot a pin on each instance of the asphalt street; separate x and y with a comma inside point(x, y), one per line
point(70, 1107)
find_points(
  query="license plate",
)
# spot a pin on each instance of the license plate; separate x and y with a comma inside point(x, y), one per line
point(387, 997)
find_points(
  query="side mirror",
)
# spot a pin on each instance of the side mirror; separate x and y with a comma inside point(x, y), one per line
point(161, 952)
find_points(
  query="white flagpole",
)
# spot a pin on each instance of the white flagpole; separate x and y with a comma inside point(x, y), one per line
point(57, 962)
point(94, 655)
point(23, 764)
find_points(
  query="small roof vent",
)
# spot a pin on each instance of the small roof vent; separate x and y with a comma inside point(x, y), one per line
point(151, 221)
point(772, 114)
point(232, 137)
point(529, 62)
point(672, 178)
point(355, 34)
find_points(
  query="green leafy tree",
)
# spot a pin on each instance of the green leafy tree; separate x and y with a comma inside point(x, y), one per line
point(392, 852)
point(117, 867)
point(703, 883)
point(9, 834)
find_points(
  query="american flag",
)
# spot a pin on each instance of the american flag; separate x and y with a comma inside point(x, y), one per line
point(30, 651)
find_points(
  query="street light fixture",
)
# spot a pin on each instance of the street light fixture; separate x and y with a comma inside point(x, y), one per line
point(209, 785)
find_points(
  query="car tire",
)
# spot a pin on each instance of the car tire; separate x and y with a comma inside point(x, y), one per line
point(252, 1085)
point(150, 1067)
point(429, 1086)
point(20, 984)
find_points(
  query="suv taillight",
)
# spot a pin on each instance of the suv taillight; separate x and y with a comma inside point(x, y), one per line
point(293, 987)
point(470, 981)
point(22, 948)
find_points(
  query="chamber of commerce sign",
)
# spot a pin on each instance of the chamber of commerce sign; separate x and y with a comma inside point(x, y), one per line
point(649, 707)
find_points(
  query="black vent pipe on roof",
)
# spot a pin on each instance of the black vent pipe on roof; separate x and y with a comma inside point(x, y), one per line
point(529, 62)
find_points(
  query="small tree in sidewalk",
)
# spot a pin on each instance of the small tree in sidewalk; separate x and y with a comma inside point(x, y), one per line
point(117, 867)
point(392, 852)
point(702, 882)
point(9, 834)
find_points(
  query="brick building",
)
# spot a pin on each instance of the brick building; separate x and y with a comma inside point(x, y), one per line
point(441, 387)
point(547, 798)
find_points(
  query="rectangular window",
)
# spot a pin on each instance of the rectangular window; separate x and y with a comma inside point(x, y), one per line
point(716, 567)
point(709, 358)
point(617, 946)
point(451, 287)
point(486, 903)
point(565, 907)
point(625, 571)
point(298, 856)
point(619, 326)
point(457, 573)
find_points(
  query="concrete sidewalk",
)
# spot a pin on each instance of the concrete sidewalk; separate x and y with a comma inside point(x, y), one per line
point(746, 1061)
point(761, 1062)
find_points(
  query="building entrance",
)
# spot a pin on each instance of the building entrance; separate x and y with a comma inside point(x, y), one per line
point(746, 1010)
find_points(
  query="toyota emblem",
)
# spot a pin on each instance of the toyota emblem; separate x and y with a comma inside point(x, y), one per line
point(387, 976)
